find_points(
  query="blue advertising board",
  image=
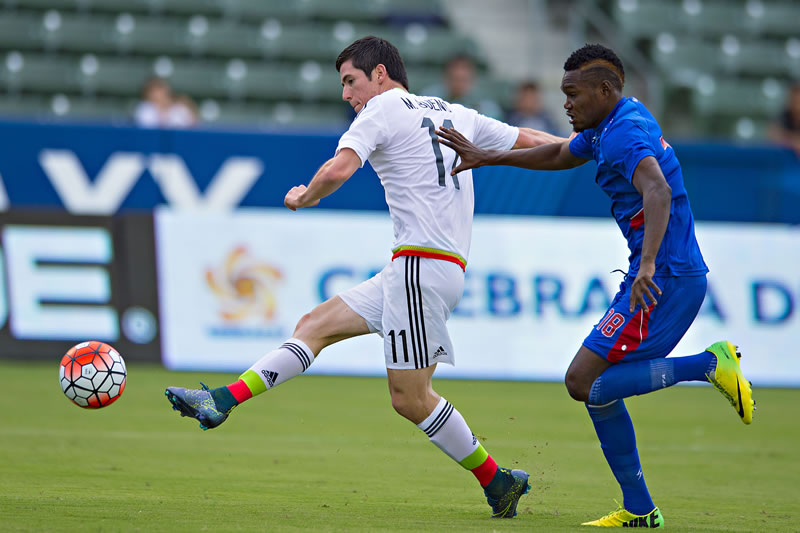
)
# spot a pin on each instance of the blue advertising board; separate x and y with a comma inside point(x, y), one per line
point(98, 169)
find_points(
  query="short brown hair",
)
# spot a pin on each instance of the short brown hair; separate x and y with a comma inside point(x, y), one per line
point(369, 52)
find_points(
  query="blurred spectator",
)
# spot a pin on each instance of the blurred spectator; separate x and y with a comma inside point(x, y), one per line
point(786, 130)
point(160, 109)
point(458, 86)
point(190, 108)
point(528, 109)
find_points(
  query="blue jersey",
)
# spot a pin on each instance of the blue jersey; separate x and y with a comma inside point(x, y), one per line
point(626, 136)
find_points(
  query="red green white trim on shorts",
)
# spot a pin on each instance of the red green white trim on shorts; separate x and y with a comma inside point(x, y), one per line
point(432, 253)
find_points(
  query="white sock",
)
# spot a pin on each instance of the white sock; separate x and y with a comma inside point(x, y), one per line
point(448, 430)
point(291, 359)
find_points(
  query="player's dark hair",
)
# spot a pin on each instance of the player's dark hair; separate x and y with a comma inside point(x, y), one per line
point(369, 52)
point(598, 64)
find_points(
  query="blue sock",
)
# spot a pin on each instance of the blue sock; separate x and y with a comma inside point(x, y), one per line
point(640, 377)
point(615, 430)
point(694, 367)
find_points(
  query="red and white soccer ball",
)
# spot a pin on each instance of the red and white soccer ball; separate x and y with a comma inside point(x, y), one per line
point(92, 374)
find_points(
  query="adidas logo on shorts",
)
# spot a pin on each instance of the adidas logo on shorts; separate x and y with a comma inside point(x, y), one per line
point(439, 351)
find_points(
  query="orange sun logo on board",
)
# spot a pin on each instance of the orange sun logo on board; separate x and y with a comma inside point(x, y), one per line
point(244, 286)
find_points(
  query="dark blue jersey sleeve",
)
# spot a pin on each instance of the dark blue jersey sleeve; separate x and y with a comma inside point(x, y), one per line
point(625, 145)
point(581, 145)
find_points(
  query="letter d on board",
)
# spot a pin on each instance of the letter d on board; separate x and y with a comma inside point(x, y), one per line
point(772, 302)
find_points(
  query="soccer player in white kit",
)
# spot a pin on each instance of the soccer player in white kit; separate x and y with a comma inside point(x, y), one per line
point(409, 301)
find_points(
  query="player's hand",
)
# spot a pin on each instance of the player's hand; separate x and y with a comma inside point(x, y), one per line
point(471, 156)
point(644, 286)
point(295, 198)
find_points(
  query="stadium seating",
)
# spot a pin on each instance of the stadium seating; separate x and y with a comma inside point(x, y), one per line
point(735, 57)
point(245, 59)
point(712, 55)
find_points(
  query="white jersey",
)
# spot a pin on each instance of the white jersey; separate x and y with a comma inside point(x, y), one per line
point(431, 210)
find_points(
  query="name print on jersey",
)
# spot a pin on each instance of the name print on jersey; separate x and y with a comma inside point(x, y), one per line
point(427, 103)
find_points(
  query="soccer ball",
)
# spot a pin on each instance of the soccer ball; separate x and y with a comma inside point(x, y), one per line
point(92, 374)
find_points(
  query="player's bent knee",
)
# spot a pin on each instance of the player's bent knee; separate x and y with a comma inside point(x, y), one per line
point(398, 405)
point(307, 329)
point(402, 407)
point(302, 323)
point(315, 325)
point(409, 407)
point(577, 386)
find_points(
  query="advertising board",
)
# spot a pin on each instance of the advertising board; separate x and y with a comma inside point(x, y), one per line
point(234, 286)
point(66, 279)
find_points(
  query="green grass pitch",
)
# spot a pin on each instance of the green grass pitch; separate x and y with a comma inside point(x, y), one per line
point(329, 454)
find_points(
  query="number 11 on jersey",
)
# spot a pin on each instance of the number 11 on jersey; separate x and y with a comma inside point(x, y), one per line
point(437, 150)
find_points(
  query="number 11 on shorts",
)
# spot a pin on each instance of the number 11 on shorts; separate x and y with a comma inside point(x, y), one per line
point(402, 335)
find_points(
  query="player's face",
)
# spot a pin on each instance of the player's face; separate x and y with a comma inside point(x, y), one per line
point(584, 103)
point(357, 89)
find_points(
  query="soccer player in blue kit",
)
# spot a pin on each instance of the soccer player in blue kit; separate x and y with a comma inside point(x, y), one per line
point(625, 353)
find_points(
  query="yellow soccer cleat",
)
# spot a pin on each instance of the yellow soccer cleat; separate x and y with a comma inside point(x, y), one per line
point(622, 518)
point(729, 380)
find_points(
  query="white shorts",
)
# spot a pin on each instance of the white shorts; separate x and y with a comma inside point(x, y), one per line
point(408, 304)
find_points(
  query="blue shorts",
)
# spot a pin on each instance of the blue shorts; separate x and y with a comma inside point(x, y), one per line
point(622, 336)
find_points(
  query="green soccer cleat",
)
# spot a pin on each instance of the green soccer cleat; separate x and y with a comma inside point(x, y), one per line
point(506, 505)
point(622, 518)
point(729, 380)
point(198, 404)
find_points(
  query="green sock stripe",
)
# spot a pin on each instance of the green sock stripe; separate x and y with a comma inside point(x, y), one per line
point(253, 382)
point(475, 459)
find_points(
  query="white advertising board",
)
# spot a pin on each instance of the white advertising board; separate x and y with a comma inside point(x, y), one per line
point(233, 286)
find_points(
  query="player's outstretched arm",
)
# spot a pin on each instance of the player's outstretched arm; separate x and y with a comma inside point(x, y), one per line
point(328, 178)
point(530, 138)
point(554, 156)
